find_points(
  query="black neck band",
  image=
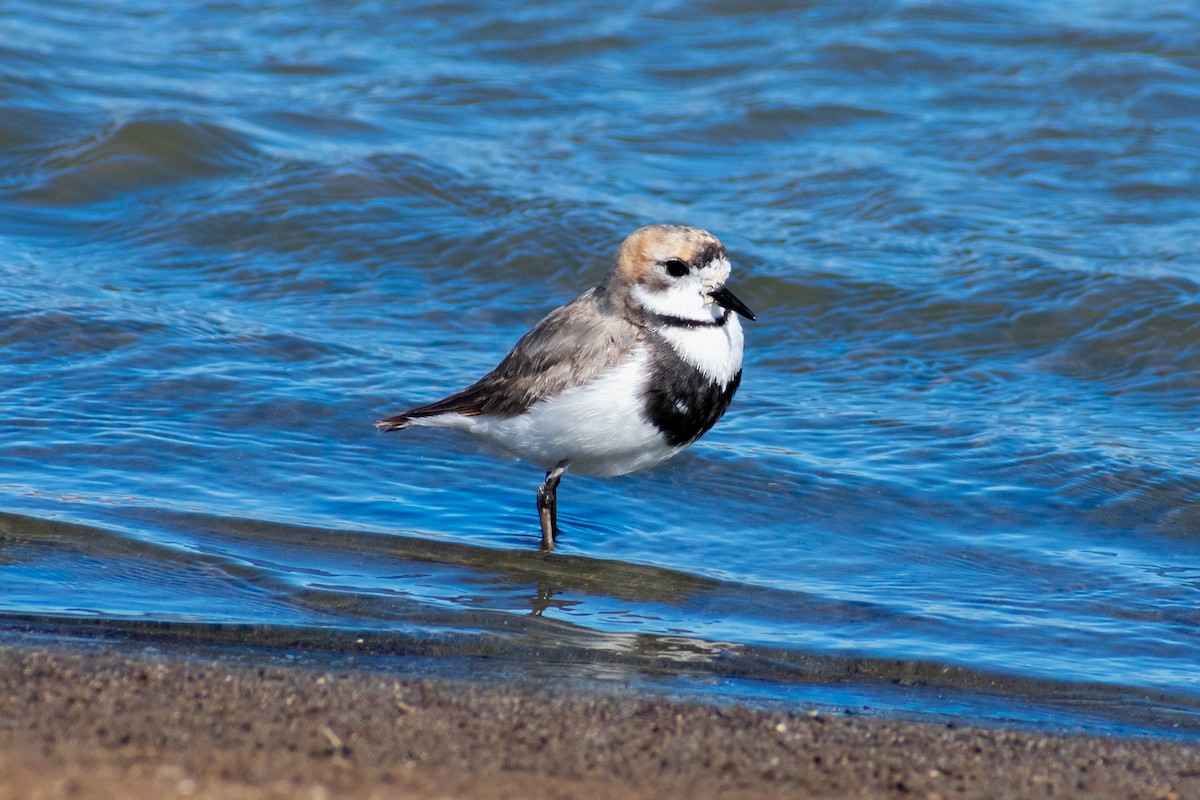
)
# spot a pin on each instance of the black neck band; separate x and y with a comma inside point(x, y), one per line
point(682, 322)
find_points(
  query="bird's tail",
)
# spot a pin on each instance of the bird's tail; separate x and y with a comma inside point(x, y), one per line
point(467, 403)
point(396, 423)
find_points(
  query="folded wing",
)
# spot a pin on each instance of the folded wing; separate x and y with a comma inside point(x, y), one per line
point(572, 345)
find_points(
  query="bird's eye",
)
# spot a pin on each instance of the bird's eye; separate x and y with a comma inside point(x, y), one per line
point(676, 268)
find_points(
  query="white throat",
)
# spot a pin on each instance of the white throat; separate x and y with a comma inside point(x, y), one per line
point(715, 350)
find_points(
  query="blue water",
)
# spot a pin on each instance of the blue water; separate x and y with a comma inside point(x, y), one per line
point(962, 474)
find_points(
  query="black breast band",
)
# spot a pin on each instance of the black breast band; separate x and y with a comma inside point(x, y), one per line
point(680, 400)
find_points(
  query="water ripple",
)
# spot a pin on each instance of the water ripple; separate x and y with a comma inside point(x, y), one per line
point(965, 443)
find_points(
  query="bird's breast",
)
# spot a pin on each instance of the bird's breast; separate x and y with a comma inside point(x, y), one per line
point(692, 377)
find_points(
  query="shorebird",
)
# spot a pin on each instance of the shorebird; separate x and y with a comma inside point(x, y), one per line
point(625, 376)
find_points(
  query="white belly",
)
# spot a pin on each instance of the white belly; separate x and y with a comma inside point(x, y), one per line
point(599, 428)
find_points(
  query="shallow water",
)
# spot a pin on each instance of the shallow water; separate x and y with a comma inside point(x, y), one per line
point(961, 475)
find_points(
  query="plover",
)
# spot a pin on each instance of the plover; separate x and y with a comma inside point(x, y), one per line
point(625, 376)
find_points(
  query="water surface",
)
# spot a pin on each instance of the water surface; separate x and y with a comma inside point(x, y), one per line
point(962, 472)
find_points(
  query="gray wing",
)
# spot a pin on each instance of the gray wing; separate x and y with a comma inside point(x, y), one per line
point(569, 347)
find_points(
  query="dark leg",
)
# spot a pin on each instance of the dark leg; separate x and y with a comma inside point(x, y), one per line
point(547, 503)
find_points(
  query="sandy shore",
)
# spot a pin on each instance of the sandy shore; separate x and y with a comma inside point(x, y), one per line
point(107, 724)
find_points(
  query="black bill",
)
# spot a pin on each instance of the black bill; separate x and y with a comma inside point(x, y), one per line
point(727, 299)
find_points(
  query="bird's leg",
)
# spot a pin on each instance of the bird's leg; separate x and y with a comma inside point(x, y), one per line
point(547, 503)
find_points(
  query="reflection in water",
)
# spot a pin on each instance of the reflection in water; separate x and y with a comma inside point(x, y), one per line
point(544, 598)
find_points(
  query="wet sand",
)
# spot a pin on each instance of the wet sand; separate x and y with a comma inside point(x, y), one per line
point(104, 723)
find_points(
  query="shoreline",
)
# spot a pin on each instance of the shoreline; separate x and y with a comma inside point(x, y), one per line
point(109, 722)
